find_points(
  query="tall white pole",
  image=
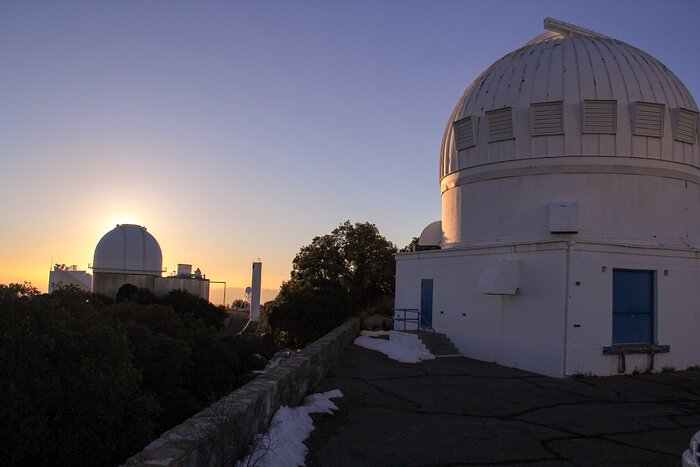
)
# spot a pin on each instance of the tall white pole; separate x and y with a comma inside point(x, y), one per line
point(255, 292)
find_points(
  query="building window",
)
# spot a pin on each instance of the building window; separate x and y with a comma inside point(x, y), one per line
point(686, 125)
point(634, 304)
point(500, 124)
point(599, 116)
point(547, 118)
point(648, 119)
point(464, 133)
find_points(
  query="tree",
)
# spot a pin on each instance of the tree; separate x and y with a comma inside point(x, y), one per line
point(77, 370)
point(185, 303)
point(354, 259)
point(338, 274)
point(14, 290)
point(302, 312)
point(131, 293)
point(67, 381)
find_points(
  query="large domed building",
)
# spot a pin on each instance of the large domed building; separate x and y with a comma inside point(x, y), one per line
point(570, 232)
point(129, 254)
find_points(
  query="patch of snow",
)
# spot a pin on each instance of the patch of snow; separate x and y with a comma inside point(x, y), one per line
point(369, 333)
point(283, 444)
point(396, 350)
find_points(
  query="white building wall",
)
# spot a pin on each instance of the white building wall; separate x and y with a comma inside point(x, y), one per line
point(536, 329)
point(61, 278)
point(677, 315)
point(109, 283)
point(523, 330)
point(614, 202)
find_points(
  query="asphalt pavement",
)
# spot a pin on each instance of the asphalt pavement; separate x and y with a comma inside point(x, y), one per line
point(459, 411)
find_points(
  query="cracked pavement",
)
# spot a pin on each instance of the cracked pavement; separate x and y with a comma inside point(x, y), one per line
point(458, 411)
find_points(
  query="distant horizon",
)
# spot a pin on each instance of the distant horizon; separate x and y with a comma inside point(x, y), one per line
point(216, 290)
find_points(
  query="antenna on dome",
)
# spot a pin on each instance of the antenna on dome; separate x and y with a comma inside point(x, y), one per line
point(569, 29)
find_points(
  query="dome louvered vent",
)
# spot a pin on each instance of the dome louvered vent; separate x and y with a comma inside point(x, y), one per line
point(547, 118)
point(464, 133)
point(686, 126)
point(648, 119)
point(599, 116)
point(500, 124)
point(570, 92)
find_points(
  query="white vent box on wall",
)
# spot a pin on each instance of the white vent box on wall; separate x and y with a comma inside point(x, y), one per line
point(563, 217)
point(500, 278)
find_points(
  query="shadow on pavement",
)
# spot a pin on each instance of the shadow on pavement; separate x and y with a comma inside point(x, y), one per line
point(458, 411)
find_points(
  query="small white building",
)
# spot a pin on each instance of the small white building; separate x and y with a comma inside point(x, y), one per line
point(129, 254)
point(570, 232)
point(65, 276)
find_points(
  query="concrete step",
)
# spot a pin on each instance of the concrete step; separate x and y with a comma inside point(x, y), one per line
point(442, 344)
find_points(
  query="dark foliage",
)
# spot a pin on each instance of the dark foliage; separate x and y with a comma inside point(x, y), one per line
point(84, 381)
point(131, 293)
point(303, 312)
point(337, 275)
point(66, 382)
point(191, 306)
point(353, 259)
point(11, 291)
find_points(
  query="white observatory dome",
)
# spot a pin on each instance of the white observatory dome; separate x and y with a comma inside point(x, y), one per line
point(572, 116)
point(128, 249)
point(541, 99)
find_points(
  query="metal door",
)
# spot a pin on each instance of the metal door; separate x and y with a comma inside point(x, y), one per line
point(426, 302)
point(633, 307)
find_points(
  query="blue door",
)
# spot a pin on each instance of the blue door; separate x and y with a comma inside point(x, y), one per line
point(633, 307)
point(426, 302)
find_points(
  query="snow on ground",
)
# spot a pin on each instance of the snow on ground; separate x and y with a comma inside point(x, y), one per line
point(283, 444)
point(395, 349)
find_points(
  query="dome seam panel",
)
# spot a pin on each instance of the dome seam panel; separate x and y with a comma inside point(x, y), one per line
point(620, 77)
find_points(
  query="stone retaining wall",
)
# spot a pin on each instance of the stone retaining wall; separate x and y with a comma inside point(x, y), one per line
point(221, 434)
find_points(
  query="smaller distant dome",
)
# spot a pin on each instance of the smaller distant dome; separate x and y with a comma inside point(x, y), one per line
point(129, 249)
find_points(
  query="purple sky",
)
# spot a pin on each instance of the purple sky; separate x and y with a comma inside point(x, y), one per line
point(238, 130)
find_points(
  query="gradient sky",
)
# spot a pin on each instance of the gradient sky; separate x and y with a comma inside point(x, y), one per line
point(240, 130)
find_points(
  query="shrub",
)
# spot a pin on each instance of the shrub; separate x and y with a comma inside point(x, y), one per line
point(185, 303)
point(84, 381)
point(303, 313)
point(131, 293)
point(66, 382)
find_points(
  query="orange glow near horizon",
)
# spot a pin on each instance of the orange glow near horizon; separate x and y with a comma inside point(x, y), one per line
point(74, 245)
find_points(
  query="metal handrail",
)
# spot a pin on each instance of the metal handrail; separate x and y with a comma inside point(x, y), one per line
point(417, 321)
point(408, 320)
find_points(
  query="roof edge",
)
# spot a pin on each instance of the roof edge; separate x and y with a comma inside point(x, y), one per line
point(568, 29)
